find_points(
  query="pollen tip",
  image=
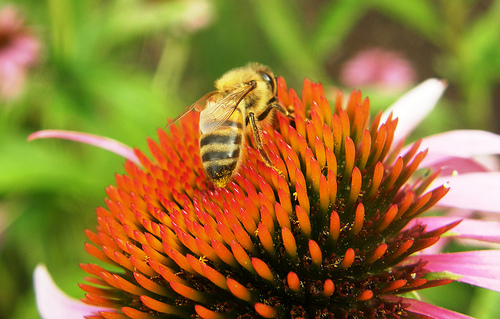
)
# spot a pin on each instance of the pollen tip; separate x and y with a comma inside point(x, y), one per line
point(328, 288)
point(206, 313)
point(266, 311)
point(238, 290)
point(293, 281)
point(365, 295)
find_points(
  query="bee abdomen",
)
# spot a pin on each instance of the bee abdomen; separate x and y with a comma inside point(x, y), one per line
point(226, 137)
point(220, 172)
point(220, 153)
point(217, 152)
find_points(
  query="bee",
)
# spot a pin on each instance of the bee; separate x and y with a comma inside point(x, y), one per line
point(244, 97)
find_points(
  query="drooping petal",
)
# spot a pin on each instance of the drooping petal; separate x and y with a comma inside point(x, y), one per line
point(475, 191)
point(479, 268)
point(95, 140)
point(459, 143)
point(423, 308)
point(414, 106)
point(52, 303)
point(488, 231)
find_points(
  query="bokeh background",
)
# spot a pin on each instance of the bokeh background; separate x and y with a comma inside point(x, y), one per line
point(121, 68)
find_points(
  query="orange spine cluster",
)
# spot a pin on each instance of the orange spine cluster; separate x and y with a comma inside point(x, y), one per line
point(329, 228)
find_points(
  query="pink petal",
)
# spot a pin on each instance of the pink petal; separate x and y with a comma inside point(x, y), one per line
point(488, 231)
point(474, 191)
point(99, 141)
point(479, 268)
point(450, 164)
point(52, 303)
point(423, 308)
point(414, 106)
point(460, 143)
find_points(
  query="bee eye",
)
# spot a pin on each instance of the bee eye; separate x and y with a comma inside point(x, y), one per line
point(267, 78)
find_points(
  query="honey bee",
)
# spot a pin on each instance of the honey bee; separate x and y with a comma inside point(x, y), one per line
point(243, 98)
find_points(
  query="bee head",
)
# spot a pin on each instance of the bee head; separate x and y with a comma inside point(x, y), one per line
point(256, 75)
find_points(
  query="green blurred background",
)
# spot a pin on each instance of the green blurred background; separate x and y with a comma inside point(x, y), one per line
point(120, 68)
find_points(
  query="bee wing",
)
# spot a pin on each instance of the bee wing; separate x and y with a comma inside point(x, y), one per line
point(200, 105)
point(214, 115)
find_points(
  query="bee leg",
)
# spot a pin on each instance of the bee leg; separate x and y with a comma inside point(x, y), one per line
point(257, 135)
point(270, 107)
point(279, 108)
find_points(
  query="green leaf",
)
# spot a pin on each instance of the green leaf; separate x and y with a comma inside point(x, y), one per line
point(478, 55)
point(284, 30)
point(135, 108)
point(132, 19)
point(25, 167)
point(484, 304)
point(30, 167)
point(479, 50)
point(335, 25)
point(421, 15)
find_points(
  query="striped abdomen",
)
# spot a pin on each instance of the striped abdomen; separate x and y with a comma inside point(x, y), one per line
point(221, 149)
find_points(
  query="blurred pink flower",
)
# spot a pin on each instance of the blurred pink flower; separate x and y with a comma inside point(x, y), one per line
point(19, 50)
point(385, 70)
point(197, 15)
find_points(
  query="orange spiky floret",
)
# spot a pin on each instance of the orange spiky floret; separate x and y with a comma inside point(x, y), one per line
point(325, 237)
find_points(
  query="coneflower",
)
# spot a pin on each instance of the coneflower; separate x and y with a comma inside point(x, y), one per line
point(333, 235)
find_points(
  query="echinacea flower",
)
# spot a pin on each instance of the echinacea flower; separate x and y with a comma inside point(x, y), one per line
point(379, 68)
point(335, 234)
point(19, 50)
